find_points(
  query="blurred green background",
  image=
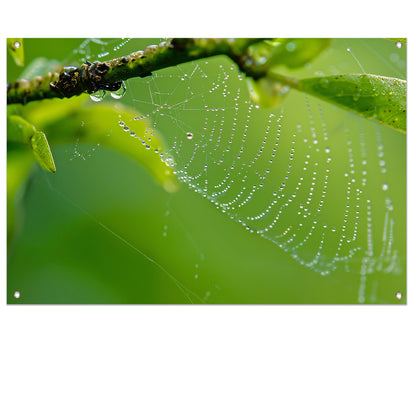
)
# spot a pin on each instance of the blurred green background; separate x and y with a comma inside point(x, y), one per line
point(103, 230)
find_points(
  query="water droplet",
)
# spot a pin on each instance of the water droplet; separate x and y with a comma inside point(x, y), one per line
point(399, 295)
point(384, 187)
point(291, 46)
point(399, 44)
point(169, 161)
point(120, 92)
point(189, 136)
point(327, 149)
point(17, 44)
point(98, 95)
point(16, 294)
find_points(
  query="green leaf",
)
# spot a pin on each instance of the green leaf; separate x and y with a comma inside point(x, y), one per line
point(42, 151)
point(80, 119)
point(15, 47)
point(294, 53)
point(372, 96)
point(267, 91)
point(19, 130)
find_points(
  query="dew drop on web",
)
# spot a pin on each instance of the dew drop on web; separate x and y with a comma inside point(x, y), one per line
point(169, 161)
point(257, 181)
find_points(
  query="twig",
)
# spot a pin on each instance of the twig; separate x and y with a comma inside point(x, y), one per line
point(91, 77)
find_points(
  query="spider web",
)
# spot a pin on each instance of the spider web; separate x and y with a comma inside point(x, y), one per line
point(317, 182)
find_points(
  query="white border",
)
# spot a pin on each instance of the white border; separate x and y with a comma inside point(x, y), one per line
point(205, 360)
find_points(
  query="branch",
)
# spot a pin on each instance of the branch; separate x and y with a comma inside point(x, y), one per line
point(91, 77)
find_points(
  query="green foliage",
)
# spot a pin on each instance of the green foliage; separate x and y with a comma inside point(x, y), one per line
point(371, 96)
point(88, 225)
point(105, 124)
point(19, 130)
point(271, 55)
point(294, 53)
point(42, 151)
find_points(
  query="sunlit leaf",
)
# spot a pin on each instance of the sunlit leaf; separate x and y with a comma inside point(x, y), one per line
point(107, 124)
point(372, 96)
point(294, 53)
point(15, 47)
point(19, 130)
point(42, 151)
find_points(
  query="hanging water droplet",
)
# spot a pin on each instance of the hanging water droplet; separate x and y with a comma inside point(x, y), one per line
point(98, 95)
point(120, 92)
point(189, 136)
